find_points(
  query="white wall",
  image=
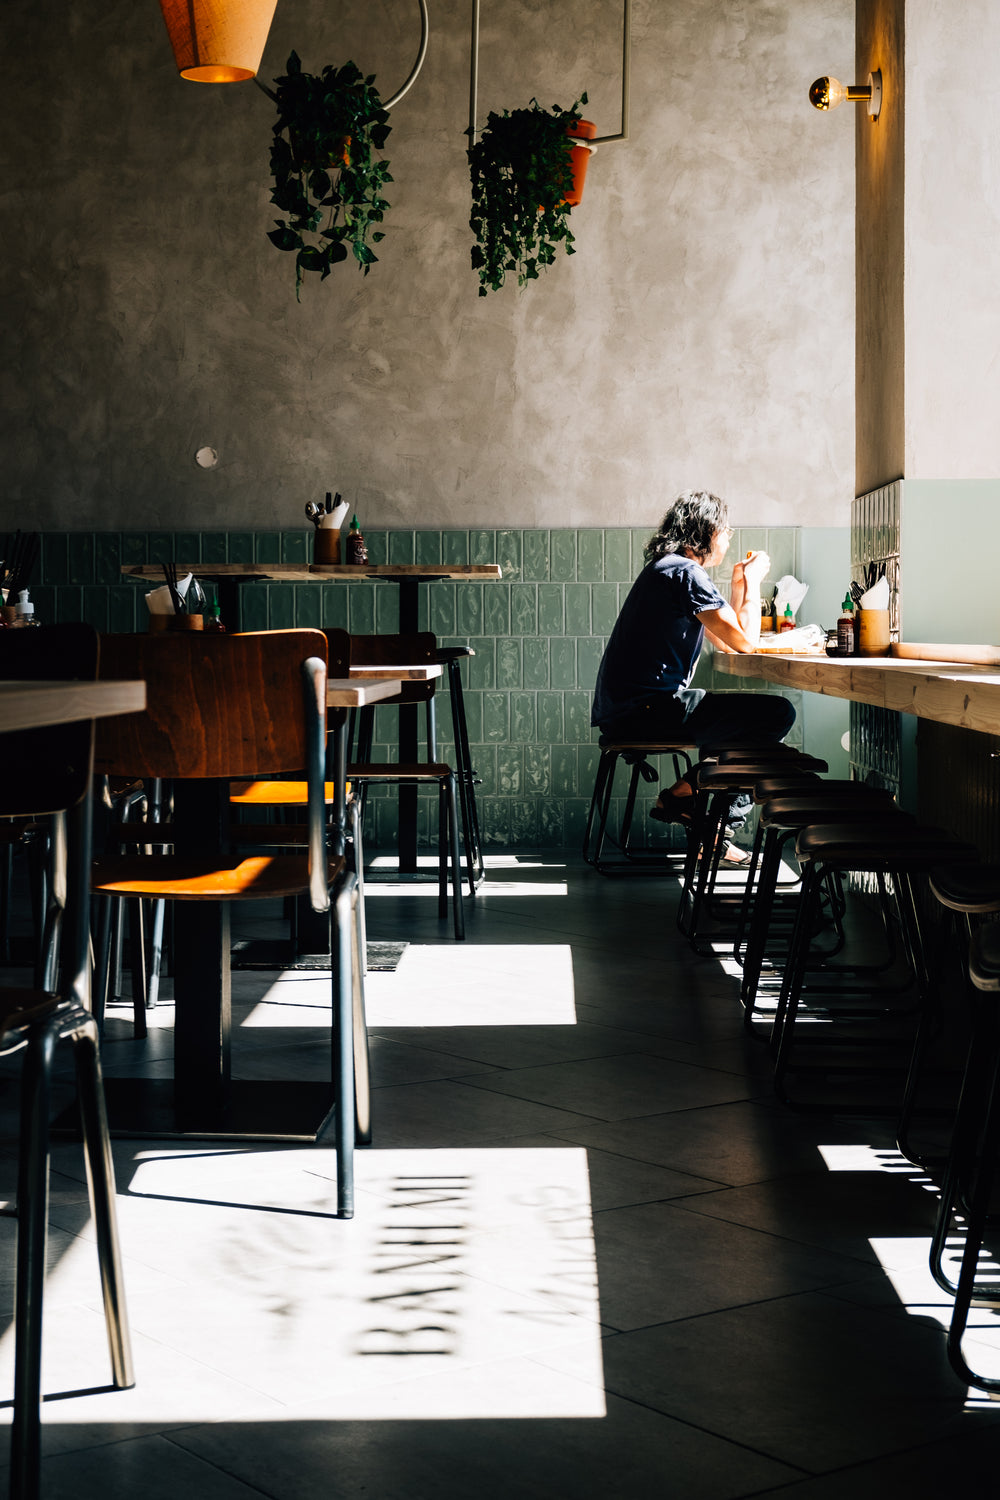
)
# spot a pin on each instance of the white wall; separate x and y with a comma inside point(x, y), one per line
point(702, 335)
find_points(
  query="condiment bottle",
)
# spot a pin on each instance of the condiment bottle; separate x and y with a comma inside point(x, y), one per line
point(213, 620)
point(357, 552)
point(845, 627)
point(25, 610)
point(787, 621)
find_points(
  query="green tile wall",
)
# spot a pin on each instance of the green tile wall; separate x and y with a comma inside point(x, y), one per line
point(538, 636)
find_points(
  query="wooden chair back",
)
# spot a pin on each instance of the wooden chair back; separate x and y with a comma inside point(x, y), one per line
point(47, 770)
point(419, 649)
point(217, 705)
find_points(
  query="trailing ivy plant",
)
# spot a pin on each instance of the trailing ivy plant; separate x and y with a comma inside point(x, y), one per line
point(521, 170)
point(327, 178)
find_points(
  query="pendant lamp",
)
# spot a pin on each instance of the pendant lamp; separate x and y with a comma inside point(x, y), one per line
point(218, 41)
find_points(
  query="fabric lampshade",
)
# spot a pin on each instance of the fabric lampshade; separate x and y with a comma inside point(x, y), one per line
point(218, 41)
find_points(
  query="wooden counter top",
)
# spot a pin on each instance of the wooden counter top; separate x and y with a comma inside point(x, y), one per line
point(321, 572)
point(33, 705)
point(949, 693)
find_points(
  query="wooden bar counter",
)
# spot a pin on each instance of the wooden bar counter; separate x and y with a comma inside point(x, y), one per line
point(948, 692)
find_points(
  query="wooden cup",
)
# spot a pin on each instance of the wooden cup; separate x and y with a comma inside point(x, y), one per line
point(186, 622)
point(873, 632)
point(326, 546)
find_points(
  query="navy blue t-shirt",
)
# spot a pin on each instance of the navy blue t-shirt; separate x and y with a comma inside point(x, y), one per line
point(657, 639)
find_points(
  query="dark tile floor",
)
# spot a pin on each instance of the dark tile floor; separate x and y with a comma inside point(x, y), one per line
point(592, 1255)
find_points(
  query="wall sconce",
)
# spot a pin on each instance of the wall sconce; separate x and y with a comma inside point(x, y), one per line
point(218, 41)
point(827, 93)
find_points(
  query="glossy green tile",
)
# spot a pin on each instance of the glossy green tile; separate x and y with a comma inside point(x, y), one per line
point(574, 821)
point(187, 548)
point(522, 718)
point(537, 770)
point(95, 606)
point(524, 608)
point(361, 606)
point(401, 547)
point(550, 823)
point(510, 771)
point(590, 555)
point(496, 608)
point(589, 651)
point(779, 543)
point(107, 557)
point(441, 609)
point(81, 557)
point(551, 609)
point(496, 718)
point(67, 604)
point(133, 546)
point(578, 609)
point(617, 556)
point(639, 540)
point(253, 606)
point(455, 547)
point(509, 663)
point(535, 657)
point(576, 707)
point(484, 759)
point(523, 824)
point(333, 604)
point(480, 670)
point(385, 600)
point(214, 547)
point(563, 556)
point(562, 770)
point(495, 822)
point(267, 546)
point(54, 557)
point(604, 608)
point(549, 718)
point(122, 609)
point(297, 546)
point(427, 547)
point(241, 547)
point(281, 606)
point(308, 606)
point(469, 607)
point(535, 556)
point(45, 597)
point(562, 657)
point(509, 554)
point(482, 546)
point(377, 543)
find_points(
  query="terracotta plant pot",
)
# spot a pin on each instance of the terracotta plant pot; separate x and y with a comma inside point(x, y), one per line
point(583, 130)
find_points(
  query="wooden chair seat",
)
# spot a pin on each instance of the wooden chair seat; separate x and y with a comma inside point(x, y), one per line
point(177, 877)
point(391, 771)
point(275, 793)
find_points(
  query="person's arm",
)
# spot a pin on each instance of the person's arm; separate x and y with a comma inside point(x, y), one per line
point(736, 627)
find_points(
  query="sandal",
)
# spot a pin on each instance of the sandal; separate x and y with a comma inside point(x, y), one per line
point(676, 813)
point(733, 855)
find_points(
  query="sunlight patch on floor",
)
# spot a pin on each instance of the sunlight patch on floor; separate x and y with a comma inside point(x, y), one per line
point(463, 1272)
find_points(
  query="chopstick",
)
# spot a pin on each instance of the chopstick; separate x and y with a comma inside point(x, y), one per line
point(20, 557)
point(176, 599)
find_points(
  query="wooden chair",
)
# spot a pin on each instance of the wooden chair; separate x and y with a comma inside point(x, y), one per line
point(47, 773)
point(347, 651)
point(220, 707)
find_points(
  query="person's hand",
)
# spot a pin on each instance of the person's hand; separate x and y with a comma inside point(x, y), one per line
point(755, 568)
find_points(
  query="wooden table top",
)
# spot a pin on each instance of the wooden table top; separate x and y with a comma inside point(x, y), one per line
point(424, 672)
point(323, 573)
point(344, 692)
point(33, 705)
point(947, 692)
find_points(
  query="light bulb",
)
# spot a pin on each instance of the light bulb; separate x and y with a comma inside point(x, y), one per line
point(827, 93)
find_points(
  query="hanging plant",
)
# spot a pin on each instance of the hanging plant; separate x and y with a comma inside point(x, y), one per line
point(327, 178)
point(522, 173)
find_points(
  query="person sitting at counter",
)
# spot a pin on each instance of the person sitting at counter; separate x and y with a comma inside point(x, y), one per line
point(643, 683)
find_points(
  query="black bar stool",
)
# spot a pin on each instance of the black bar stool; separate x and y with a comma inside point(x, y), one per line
point(465, 775)
point(634, 753)
point(968, 1183)
point(898, 849)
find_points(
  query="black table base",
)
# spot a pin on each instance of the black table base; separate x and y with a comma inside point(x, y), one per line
point(254, 1109)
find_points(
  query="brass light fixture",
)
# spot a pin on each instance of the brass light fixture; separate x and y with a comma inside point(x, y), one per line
point(827, 93)
point(218, 41)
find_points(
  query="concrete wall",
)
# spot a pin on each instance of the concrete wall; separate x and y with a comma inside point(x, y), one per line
point(701, 336)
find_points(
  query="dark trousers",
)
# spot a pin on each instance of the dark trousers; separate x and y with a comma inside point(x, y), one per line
point(702, 719)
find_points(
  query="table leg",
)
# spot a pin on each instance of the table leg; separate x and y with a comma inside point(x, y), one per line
point(409, 732)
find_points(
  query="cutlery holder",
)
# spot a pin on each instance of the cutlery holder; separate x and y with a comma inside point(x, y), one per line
point(873, 632)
